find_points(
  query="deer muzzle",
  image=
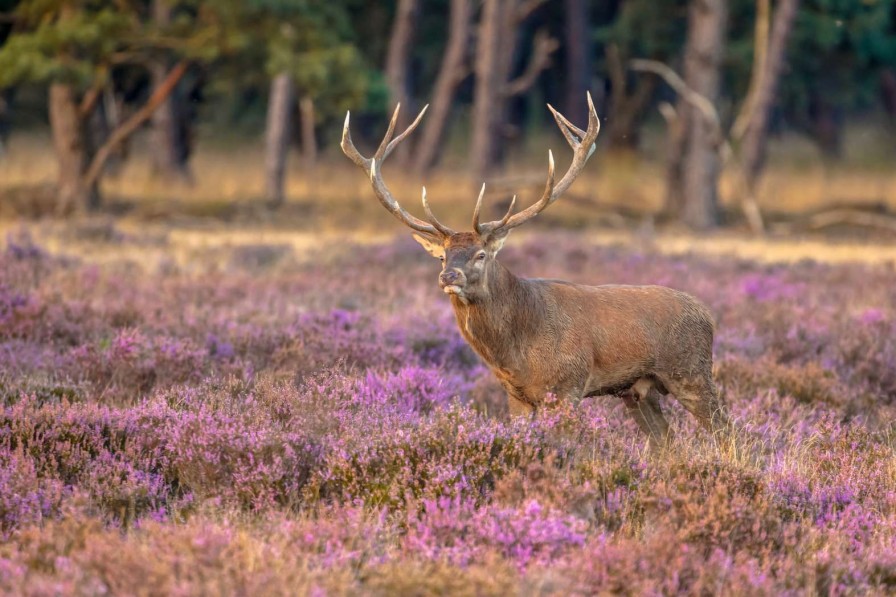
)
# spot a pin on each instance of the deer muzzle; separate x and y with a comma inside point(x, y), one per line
point(452, 281)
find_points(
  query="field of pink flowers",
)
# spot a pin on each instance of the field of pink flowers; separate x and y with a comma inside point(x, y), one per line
point(317, 426)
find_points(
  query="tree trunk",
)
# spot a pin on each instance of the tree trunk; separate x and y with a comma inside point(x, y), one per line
point(676, 143)
point(756, 132)
point(703, 56)
point(398, 68)
point(277, 137)
point(70, 144)
point(578, 58)
point(451, 73)
point(488, 107)
point(826, 127)
point(168, 134)
point(888, 92)
point(6, 98)
point(496, 47)
point(626, 109)
point(309, 140)
point(123, 131)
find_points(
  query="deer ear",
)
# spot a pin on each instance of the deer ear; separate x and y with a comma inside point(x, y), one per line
point(432, 247)
point(494, 241)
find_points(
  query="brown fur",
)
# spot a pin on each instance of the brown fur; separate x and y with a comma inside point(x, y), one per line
point(549, 336)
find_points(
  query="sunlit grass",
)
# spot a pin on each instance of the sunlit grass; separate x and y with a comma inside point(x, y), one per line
point(230, 172)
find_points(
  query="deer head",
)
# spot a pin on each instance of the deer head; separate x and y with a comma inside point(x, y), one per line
point(468, 258)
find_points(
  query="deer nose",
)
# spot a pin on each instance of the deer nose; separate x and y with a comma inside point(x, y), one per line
point(449, 277)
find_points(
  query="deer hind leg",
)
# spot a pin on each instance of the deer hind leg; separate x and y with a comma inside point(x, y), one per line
point(700, 397)
point(643, 403)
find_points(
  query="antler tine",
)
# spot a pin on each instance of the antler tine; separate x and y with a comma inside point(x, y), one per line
point(348, 147)
point(407, 131)
point(369, 165)
point(582, 143)
point(490, 226)
point(432, 218)
point(567, 128)
point(384, 144)
point(509, 213)
point(476, 226)
point(548, 191)
point(512, 221)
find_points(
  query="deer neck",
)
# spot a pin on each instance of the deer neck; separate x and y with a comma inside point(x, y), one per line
point(493, 323)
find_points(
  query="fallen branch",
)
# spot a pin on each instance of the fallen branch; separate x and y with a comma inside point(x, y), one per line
point(851, 217)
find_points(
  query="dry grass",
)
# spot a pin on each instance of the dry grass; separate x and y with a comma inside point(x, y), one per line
point(224, 208)
point(230, 171)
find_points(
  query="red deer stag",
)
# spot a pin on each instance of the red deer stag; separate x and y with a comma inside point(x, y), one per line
point(549, 336)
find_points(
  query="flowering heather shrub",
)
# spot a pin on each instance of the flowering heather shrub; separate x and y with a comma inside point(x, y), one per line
point(460, 532)
point(286, 427)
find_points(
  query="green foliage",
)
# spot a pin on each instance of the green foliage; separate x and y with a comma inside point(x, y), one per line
point(836, 49)
point(642, 31)
point(311, 40)
point(63, 45)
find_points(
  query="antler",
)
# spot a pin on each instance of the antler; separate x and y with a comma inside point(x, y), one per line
point(582, 143)
point(373, 166)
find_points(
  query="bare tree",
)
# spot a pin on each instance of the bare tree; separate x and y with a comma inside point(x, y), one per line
point(496, 46)
point(760, 100)
point(577, 45)
point(453, 70)
point(627, 103)
point(398, 62)
point(309, 138)
point(79, 170)
point(751, 124)
point(6, 99)
point(276, 137)
point(702, 165)
point(888, 92)
point(69, 142)
point(169, 140)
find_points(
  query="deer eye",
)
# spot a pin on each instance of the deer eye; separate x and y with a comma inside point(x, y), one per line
point(480, 256)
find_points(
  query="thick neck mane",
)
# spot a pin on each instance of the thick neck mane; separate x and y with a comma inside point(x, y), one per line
point(496, 325)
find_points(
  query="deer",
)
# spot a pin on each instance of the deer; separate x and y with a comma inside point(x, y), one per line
point(542, 337)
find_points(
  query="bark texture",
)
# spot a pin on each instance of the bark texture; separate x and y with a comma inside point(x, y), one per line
point(452, 72)
point(628, 104)
point(578, 58)
point(755, 139)
point(398, 63)
point(496, 47)
point(309, 140)
point(70, 145)
point(277, 137)
point(888, 92)
point(702, 164)
point(488, 107)
point(6, 99)
point(169, 134)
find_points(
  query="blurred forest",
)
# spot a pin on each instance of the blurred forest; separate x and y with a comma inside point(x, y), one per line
point(710, 94)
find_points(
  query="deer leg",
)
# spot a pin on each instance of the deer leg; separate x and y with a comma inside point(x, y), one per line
point(643, 403)
point(519, 408)
point(701, 398)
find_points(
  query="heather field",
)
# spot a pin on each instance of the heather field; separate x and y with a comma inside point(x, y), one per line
point(263, 419)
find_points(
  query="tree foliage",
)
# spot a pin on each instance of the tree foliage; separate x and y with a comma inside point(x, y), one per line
point(838, 46)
